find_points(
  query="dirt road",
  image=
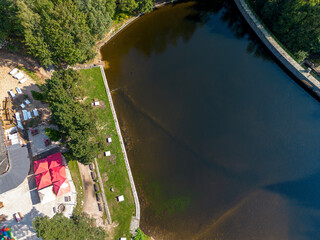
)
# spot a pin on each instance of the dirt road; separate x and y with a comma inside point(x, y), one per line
point(90, 205)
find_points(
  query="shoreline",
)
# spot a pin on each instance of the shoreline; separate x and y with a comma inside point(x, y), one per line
point(135, 222)
point(305, 79)
point(102, 42)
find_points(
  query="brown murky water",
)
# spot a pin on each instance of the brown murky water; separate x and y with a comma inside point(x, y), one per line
point(223, 144)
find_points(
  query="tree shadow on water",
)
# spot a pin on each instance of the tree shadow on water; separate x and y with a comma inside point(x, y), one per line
point(230, 14)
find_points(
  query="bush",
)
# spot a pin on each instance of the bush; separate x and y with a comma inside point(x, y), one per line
point(53, 134)
point(140, 235)
point(38, 95)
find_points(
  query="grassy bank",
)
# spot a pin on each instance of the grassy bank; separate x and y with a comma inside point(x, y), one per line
point(113, 170)
point(76, 178)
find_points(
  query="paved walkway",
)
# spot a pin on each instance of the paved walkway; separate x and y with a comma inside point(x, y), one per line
point(276, 49)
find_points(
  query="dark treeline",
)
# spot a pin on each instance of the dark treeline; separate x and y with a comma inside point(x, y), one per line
point(61, 32)
point(296, 23)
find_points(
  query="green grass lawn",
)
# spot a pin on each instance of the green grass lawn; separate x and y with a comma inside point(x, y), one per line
point(113, 172)
point(76, 178)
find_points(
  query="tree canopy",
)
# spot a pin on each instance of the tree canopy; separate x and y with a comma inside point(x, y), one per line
point(74, 118)
point(295, 23)
point(62, 32)
point(79, 227)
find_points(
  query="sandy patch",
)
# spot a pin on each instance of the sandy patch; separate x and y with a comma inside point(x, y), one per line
point(8, 61)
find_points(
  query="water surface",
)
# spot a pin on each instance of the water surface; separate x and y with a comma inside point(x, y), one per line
point(222, 143)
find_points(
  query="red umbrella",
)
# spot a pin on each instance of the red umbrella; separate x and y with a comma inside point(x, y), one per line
point(55, 160)
point(43, 180)
point(40, 166)
point(58, 173)
point(61, 187)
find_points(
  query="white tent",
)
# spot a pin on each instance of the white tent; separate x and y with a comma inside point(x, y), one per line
point(46, 194)
point(12, 94)
point(25, 114)
point(19, 75)
point(35, 112)
point(23, 80)
point(107, 153)
point(13, 71)
point(29, 115)
point(18, 116)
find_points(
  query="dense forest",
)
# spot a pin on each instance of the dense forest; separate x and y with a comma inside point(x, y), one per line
point(295, 23)
point(62, 32)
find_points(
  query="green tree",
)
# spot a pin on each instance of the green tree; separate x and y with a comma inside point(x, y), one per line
point(145, 5)
point(74, 118)
point(129, 6)
point(79, 227)
point(295, 23)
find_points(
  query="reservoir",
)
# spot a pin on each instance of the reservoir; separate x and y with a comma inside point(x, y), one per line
point(223, 143)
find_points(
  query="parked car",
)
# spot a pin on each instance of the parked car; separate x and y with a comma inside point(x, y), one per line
point(93, 176)
point(99, 207)
point(91, 166)
point(18, 216)
point(95, 187)
point(97, 197)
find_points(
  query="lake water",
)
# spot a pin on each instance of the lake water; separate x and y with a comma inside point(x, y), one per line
point(222, 143)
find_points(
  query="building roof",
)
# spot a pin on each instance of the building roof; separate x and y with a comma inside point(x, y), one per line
point(58, 173)
point(46, 194)
point(43, 180)
point(61, 187)
point(40, 166)
point(54, 160)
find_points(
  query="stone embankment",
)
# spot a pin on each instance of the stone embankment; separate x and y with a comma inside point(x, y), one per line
point(136, 219)
point(295, 68)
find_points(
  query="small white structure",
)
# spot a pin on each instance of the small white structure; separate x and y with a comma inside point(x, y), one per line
point(27, 102)
point(120, 198)
point(109, 140)
point(23, 80)
point(25, 115)
point(107, 153)
point(29, 115)
point(22, 105)
point(123, 238)
point(96, 103)
point(19, 75)
point(13, 71)
point(18, 116)
point(18, 90)
point(35, 112)
point(12, 93)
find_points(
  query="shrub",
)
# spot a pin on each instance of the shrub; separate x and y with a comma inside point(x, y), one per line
point(38, 95)
point(53, 134)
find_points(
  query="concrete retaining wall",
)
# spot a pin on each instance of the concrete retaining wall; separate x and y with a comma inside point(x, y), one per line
point(295, 68)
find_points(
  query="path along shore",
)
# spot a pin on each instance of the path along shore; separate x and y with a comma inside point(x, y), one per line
point(295, 68)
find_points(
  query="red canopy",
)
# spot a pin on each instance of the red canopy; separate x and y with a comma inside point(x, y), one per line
point(58, 173)
point(54, 160)
point(43, 180)
point(40, 166)
point(61, 187)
